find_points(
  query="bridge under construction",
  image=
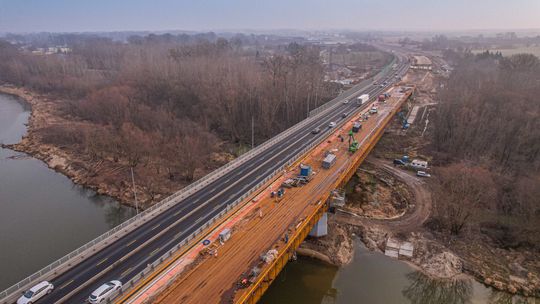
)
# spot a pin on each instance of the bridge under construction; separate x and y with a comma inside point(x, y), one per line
point(267, 229)
point(225, 237)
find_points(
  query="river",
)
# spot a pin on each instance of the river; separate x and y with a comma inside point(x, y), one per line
point(43, 215)
point(373, 278)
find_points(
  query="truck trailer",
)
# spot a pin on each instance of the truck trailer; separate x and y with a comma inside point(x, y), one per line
point(362, 99)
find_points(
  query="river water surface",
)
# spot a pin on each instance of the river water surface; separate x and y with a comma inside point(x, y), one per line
point(373, 278)
point(43, 215)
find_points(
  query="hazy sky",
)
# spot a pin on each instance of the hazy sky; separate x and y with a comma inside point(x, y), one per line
point(110, 15)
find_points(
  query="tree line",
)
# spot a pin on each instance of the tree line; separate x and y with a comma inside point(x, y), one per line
point(166, 105)
point(487, 138)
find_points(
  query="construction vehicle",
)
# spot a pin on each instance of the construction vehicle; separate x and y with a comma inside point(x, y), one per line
point(403, 161)
point(356, 127)
point(353, 143)
point(404, 124)
point(250, 278)
point(383, 97)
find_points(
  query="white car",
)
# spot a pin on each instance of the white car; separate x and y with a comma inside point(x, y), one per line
point(423, 174)
point(373, 110)
point(346, 101)
point(331, 124)
point(35, 293)
point(104, 291)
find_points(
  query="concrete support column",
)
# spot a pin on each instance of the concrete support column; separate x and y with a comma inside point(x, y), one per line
point(321, 228)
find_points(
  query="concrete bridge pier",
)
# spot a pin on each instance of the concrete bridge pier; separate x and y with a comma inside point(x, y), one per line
point(321, 228)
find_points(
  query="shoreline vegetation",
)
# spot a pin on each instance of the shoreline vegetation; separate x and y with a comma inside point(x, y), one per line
point(172, 108)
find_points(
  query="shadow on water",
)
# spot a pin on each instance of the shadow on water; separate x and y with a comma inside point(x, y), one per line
point(114, 212)
point(303, 281)
point(373, 278)
point(426, 290)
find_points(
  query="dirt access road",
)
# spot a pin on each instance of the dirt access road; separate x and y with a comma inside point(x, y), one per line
point(416, 214)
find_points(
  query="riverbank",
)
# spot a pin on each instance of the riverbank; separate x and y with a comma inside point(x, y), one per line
point(43, 115)
point(435, 255)
point(106, 174)
point(372, 277)
point(30, 192)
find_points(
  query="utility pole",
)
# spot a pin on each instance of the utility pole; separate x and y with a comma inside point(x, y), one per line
point(252, 132)
point(134, 191)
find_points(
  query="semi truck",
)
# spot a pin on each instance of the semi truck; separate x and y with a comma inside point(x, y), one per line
point(362, 99)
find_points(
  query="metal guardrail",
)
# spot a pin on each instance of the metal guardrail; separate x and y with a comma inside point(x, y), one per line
point(68, 260)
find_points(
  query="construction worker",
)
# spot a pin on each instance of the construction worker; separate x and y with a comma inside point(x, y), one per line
point(260, 213)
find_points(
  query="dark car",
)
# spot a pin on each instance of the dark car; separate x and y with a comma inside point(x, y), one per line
point(399, 162)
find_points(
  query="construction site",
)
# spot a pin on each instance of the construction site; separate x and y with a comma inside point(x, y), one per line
point(272, 222)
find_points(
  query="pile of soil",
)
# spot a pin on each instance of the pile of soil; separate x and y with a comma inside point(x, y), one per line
point(336, 248)
point(376, 194)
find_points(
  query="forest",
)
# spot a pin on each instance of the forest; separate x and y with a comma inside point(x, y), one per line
point(172, 107)
point(487, 139)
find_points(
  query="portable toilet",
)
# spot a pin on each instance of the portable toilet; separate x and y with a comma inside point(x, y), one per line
point(305, 170)
point(328, 161)
point(225, 235)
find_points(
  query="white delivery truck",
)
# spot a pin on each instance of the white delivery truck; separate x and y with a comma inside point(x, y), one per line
point(362, 99)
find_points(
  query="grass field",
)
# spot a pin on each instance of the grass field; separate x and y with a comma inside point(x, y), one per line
point(535, 50)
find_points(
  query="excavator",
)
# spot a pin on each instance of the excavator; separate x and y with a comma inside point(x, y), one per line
point(353, 143)
point(404, 123)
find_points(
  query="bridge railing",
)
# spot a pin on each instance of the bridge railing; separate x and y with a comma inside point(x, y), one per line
point(69, 260)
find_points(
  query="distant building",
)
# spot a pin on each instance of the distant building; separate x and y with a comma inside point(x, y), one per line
point(421, 62)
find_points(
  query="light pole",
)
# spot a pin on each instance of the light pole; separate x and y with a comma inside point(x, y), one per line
point(252, 131)
point(134, 191)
